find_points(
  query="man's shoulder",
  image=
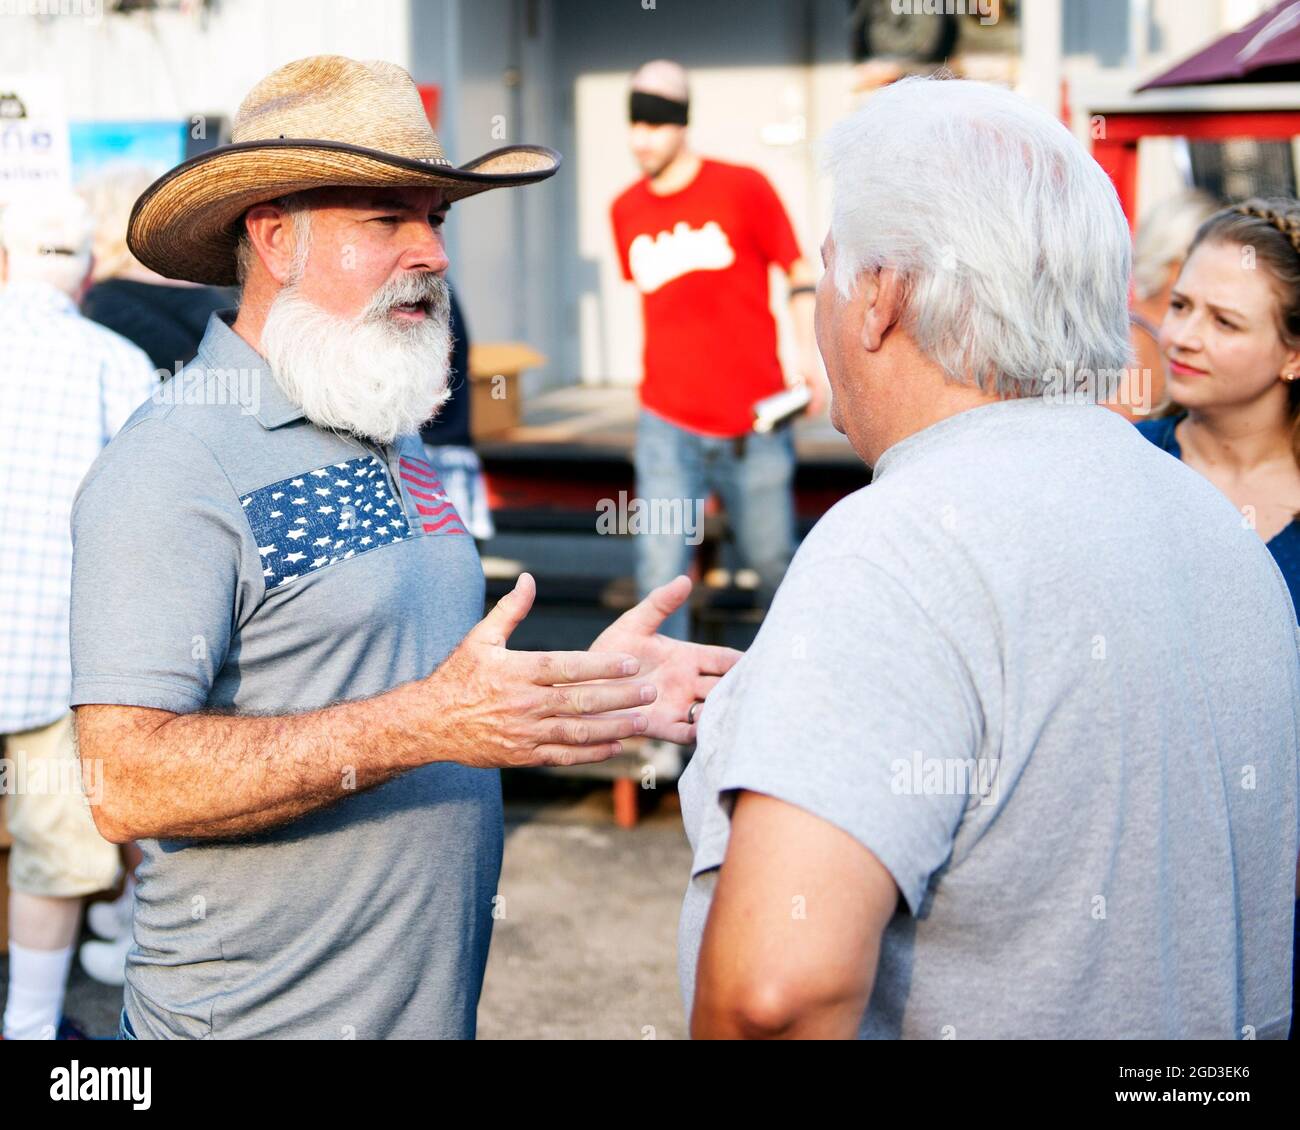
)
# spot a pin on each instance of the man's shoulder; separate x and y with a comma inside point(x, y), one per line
point(629, 198)
point(743, 176)
point(172, 434)
point(151, 440)
point(863, 529)
point(206, 398)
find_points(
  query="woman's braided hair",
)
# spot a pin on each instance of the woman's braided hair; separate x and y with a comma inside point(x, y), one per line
point(1270, 226)
point(1282, 213)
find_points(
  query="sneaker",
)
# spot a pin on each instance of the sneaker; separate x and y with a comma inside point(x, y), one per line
point(106, 961)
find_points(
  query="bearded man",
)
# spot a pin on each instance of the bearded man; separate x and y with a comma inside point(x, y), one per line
point(278, 657)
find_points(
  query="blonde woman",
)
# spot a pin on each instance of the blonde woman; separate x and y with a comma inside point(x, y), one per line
point(1159, 249)
point(1231, 338)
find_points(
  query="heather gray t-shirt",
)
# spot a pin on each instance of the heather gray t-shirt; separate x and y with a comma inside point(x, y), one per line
point(1048, 676)
point(231, 556)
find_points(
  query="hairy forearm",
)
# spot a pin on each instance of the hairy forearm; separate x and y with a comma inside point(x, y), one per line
point(221, 776)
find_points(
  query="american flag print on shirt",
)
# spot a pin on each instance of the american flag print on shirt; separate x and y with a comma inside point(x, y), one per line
point(438, 515)
point(322, 517)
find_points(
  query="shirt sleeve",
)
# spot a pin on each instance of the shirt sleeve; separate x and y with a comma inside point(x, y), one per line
point(160, 545)
point(620, 245)
point(859, 711)
point(775, 235)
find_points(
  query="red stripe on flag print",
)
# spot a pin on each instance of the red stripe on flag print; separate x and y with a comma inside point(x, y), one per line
point(427, 497)
point(418, 472)
point(411, 484)
point(426, 471)
point(449, 515)
point(433, 527)
point(419, 466)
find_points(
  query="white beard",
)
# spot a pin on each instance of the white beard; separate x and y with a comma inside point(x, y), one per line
point(372, 375)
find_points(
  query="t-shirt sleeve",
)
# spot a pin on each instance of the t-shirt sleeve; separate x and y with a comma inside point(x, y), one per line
point(859, 711)
point(776, 238)
point(160, 545)
point(621, 245)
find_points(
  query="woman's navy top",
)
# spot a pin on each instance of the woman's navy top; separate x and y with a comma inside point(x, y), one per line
point(1285, 546)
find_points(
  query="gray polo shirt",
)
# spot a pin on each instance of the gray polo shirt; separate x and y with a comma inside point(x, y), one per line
point(230, 556)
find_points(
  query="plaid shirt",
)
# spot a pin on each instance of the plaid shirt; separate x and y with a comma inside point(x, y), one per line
point(66, 385)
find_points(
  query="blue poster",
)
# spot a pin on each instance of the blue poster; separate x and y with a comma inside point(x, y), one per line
point(156, 145)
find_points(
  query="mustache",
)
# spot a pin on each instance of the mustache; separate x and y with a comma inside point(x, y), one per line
point(420, 288)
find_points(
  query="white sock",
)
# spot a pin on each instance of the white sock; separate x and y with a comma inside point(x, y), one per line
point(37, 980)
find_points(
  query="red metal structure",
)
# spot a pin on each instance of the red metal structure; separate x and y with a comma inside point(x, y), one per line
point(1116, 149)
point(1243, 84)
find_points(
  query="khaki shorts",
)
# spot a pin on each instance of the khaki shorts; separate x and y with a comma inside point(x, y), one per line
point(57, 850)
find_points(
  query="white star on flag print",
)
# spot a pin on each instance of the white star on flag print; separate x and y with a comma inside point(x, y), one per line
point(327, 515)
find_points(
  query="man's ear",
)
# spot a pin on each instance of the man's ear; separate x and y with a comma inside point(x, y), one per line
point(883, 298)
point(271, 234)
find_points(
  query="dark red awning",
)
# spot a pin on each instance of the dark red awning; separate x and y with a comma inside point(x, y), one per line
point(1266, 50)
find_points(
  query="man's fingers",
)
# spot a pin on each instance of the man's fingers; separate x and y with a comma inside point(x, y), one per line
point(661, 603)
point(506, 615)
point(594, 731)
point(683, 733)
point(599, 698)
point(712, 660)
point(576, 754)
point(550, 668)
point(704, 684)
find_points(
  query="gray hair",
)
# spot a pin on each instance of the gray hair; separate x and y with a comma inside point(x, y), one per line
point(47, 238)
point(1008, 237)
point(295, 205)
point(1164, 236)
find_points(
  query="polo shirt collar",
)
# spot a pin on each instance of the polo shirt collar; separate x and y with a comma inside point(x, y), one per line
point(222, 348)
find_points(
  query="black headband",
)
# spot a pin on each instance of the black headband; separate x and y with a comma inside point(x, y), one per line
point(656, 111)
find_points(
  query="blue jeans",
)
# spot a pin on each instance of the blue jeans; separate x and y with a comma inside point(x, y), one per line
point(124, 1029)
point(756, 488)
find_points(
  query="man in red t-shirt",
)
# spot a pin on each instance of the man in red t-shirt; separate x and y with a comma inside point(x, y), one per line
point(698, 237)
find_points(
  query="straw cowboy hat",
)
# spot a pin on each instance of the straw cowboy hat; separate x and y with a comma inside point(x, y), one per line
point(317, 122)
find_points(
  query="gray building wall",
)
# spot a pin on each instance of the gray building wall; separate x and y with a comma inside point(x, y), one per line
point(510, 72)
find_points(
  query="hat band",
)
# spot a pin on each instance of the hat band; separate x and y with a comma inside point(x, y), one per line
point(657, 111)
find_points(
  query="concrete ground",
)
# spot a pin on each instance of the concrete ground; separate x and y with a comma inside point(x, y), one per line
point(585, 946)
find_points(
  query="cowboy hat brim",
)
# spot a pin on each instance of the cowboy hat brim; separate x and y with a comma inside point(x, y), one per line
point(186, 224)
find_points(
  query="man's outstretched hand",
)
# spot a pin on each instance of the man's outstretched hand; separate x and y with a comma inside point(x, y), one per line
point(497, 708)
point(684, 673)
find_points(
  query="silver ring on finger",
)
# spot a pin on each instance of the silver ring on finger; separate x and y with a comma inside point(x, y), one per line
point(690, 714)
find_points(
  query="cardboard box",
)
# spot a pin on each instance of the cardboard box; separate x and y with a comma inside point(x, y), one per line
point(496, 403)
